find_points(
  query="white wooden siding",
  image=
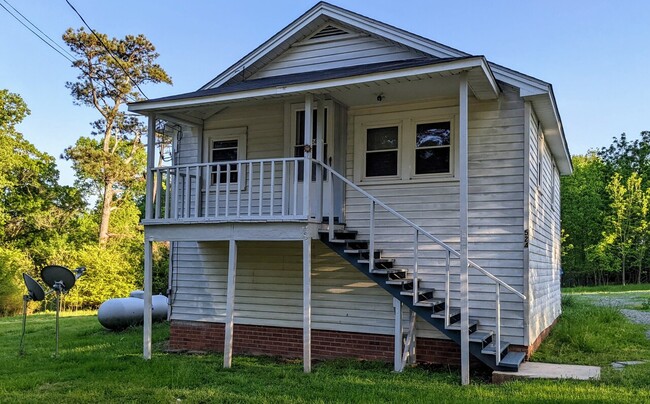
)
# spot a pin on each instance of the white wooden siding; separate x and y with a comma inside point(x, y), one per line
point(339, 51)
point(269, 288)
point(495, 209)
point(544, 246)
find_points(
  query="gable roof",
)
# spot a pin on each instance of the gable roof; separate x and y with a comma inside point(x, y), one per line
point(537, 92)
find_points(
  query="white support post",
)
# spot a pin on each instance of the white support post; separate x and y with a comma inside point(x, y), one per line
point(397, 357)
point(306, 183)
point(151, 154)
point(230, 304)
point(148, 284)
point(306, 297)
point(320, 156)
point(464, 275)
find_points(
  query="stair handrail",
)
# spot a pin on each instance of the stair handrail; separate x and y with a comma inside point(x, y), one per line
point(418, 228)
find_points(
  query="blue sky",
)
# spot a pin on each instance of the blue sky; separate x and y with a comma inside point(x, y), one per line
point(595, 53)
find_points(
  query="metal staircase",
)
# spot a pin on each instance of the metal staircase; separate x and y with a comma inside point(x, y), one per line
point(434, 306)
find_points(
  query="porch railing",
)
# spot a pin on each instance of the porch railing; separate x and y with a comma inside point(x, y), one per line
point(265, 189)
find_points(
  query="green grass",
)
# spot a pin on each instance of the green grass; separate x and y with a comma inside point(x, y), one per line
point(95, 365)
point(633, 287)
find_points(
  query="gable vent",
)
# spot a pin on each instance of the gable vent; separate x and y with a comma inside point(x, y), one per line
point(329, 31)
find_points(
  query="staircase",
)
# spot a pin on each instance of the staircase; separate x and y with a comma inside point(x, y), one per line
point(426, 303)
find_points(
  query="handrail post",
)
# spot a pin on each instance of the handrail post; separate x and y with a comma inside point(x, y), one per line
point(306, 205)
point(331, 217)
point(151, 151)
point(498, 331)
point(447, 291)
point(371, 252)
point(416, 281)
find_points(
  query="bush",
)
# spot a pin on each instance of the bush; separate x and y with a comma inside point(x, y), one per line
point(12, 264)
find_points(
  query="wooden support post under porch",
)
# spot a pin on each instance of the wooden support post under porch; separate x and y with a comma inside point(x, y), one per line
point(464, 269)
point(230, 304)
point(148, 243)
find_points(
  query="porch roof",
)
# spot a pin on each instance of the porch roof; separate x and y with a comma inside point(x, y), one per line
point(480, 77)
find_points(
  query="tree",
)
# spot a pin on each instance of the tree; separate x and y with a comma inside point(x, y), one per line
point(111, 72)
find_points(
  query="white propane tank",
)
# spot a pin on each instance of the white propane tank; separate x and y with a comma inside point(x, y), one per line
point(121, 313)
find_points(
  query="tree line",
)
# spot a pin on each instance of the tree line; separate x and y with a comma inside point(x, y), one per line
point(43, 222)
point(606, 215)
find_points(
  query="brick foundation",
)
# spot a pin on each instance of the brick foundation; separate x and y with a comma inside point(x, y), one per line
point(287, 342)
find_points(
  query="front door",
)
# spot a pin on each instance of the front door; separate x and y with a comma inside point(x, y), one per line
point(298, 150)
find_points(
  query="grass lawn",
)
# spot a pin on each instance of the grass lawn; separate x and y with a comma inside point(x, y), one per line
point(95, 365)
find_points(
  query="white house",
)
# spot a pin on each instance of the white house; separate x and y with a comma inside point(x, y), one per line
point(446, 166)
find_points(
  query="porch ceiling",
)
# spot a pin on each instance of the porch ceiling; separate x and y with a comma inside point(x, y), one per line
point(397, 82)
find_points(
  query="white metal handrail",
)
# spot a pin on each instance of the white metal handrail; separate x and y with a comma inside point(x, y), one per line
point(419, 230)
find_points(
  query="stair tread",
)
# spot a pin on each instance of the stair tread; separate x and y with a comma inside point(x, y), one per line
point(420, 291)
point(513, 359)
point(358, 250)
point(399, 281)
point(480, 336)
point(386, 271)
point(457, 325)
point(340, 231)
point(429, 302)
point(453, 311)
point(377, 260)
point(492, 348)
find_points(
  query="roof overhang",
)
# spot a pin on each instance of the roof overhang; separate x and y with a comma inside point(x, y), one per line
point(480, 78)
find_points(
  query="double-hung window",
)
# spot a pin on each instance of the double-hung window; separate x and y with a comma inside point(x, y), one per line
point(222, 146)
point(382, 151)
point(432, 148)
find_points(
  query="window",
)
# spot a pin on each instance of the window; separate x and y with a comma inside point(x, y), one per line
point(416, 145)
point(382, 146)
point(223, 145)
point(432, 148)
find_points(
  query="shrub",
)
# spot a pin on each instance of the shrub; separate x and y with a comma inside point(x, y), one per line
point(12, 264)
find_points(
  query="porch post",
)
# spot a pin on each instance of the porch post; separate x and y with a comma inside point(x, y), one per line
point(306, 296)
point(148, 264)
point(320, 156)
point(151, 154)
point(397, 355)
point(230, 304)
point(464, 275)
point(306, 183)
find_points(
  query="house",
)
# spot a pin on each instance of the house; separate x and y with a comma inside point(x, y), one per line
point(412, 215)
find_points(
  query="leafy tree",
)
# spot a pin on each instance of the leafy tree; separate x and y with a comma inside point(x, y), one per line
point(584, 208)
point(111, 71)
point(626, 157)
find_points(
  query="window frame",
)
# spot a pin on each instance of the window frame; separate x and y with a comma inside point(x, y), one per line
point(240, 134)
point(407, 121)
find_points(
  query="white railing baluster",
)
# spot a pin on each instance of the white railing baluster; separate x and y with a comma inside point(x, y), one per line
point(168, 187)
point(498, 331)
point(447, 291)
point(284, 188)
point(331, 214)
point(227, 202)
point(239, 175)
point(272, 188)
point(158, 176)
point(250, 188)
point(371, 253)
point(187, 192)
point(207, 190)
point(261, 187)
point(197, 192)
point(217, 191)
point(177, 196)
point(416, 281)
point(295, 187)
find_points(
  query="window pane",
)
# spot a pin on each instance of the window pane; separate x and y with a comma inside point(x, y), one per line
point(430, 161)
point(432, 134)
point(224, 155)
point(381, 163)
point(224, 144)
point(300, 127)
point(382, 138)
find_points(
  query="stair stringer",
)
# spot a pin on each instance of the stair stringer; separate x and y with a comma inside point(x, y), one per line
point(422, 312)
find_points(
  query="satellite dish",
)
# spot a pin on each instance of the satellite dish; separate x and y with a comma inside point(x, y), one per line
point(61, 279)
point(35, 291)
